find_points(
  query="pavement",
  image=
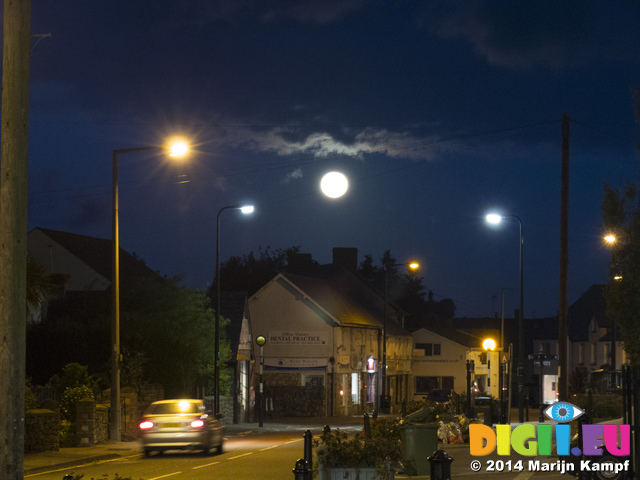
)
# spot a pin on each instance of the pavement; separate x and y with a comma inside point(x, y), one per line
point(67, 458)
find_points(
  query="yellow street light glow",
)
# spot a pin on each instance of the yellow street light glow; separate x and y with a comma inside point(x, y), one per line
point(489, 344)
point(414, 265)
point(618, 277)
point(178, 149)
point(334, 184)
point(610, 238)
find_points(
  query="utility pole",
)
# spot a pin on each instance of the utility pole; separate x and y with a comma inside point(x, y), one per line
point(563, 311)
point(13, 234)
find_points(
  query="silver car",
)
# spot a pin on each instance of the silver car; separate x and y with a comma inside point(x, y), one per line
point(180, 424)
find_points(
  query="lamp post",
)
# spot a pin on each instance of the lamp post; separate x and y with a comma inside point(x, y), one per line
point(245, 209)
point(489, 346)
point(260, 340)
point(177, 149)
point(383, 376)
point(611, 240)
point(494, 218)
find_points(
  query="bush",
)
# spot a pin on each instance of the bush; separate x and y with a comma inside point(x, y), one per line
point(30, 398)
point(71, 396)
point(68, 435)
point(603, 406)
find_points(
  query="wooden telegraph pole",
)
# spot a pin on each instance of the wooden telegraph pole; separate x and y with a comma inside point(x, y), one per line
point(13, 234)
point(563, 311)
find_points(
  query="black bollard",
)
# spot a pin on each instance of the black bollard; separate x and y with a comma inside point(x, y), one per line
point(367, 426)
point(440, 465)
point(302, 471)
point(308, 450)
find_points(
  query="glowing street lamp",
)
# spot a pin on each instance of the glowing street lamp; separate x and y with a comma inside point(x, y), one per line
point(246, 210)
point(496, 219)
point(115, 422)
point(489, 345)
point(382, 393)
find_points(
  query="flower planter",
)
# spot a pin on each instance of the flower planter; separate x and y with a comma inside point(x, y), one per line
point(339, 473)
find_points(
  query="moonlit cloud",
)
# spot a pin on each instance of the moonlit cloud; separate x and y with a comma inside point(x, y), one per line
point(285, 141)
point(294, 175)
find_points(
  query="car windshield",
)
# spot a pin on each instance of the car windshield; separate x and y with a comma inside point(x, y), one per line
point(174, 408)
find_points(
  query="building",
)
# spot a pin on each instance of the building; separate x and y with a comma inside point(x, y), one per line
point(324, 344)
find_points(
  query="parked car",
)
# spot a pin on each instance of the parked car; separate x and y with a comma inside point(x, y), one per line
point(180, 424)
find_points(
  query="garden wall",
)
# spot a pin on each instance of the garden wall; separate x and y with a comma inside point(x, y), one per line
point(41, 431)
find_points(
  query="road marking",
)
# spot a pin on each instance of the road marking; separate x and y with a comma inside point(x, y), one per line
point(293, 441)
point(98, 462)
point(237, 456)
point(165, 476)
point(207, 465)
point(268, 448)
point(524, 476)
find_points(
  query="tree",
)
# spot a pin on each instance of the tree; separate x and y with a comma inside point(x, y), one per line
point(252, 272)
point(621, 218)
point(407, 291)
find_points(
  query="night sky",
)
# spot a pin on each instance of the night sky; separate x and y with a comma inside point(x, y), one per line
point(436, 111)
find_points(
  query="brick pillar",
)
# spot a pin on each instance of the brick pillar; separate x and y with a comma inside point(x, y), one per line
point(85, 422)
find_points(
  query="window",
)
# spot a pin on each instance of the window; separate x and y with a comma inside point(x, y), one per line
point(313, 380)
point(426, 384)
point(447, 383)
point(355, 388)
point(430, 349)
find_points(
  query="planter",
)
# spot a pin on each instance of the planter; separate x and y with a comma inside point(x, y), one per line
point(340, 473)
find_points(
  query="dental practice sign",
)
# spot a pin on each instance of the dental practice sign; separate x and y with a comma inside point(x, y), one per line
point(601, 449)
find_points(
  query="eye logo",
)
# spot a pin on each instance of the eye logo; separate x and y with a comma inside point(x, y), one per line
point(563, 412)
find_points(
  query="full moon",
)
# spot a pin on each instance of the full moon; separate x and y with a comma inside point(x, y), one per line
point(334, 184)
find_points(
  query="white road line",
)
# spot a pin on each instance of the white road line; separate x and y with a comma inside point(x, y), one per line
point(268, 448)
point(99, 462)
point(293, 441)
point(524, 476)
point(207, 465)
point(165, 476)
point(243, 455)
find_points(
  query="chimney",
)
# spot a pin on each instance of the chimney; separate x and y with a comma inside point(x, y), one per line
point(345, 258)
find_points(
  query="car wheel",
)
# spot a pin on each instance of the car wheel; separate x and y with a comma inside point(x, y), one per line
point(220, 448)
point(611, 474)
point(147, 451)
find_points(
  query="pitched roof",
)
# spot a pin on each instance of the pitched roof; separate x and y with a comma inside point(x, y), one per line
point(97, 253)
point(339, 301)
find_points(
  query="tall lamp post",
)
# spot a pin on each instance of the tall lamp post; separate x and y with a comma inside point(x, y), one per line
point(382, 394)
point(245, 209)
point(494, 218)
point(178, 149)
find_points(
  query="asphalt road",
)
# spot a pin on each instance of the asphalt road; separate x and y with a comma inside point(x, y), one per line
point(261, 457)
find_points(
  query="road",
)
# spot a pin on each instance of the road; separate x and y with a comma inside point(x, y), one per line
point(272, 456)
point(262, 457)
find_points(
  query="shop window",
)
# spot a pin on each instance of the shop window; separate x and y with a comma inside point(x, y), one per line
point(355, 388)
point(426, 384)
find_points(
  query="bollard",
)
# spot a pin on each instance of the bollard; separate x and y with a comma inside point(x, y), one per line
point(308, 450)
point(302, 471)
point(440, 465)
point(367, 426)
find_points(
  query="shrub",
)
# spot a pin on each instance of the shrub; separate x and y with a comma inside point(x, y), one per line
point(71, 397)
point(68, 435)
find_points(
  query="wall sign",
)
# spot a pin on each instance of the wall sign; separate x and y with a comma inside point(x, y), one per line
point(295, 337)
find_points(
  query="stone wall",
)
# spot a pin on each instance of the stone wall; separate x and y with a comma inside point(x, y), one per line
point(41, 431)
point(101, 423)
point(85, 422)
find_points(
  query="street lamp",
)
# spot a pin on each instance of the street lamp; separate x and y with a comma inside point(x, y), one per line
point(495, 219)
point(175, 149)
point(245, 209)
point(382, 393)
point(489, 345)
point(260, 340)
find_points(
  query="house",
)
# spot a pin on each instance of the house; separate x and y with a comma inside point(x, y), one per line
point(324, 344)
point(440, 358)
point(592, 338)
